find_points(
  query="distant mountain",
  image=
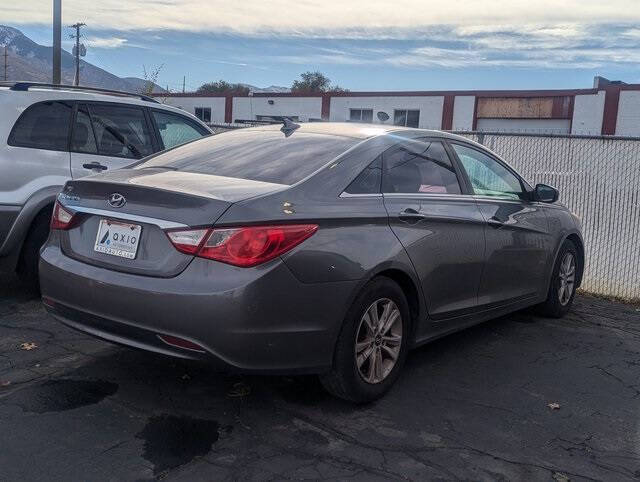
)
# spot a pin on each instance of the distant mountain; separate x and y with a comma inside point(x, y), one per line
point(30, 61)
point(140, 85)
point(270, 89)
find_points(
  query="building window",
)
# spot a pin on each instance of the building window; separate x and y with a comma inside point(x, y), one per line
point(204, 114)
point(361, 115)
point(407, 118)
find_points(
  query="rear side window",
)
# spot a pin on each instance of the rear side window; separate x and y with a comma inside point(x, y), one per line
point(121, 131)
point(257, 155)
point(419, 167)
point(368, 181)
point(83, 139)
point(175, 129)
point(43, 126)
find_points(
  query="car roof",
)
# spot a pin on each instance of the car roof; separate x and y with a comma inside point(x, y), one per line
point(36, 94)
point(360, 130)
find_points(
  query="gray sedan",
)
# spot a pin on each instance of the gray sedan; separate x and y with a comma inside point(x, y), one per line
point(321, 248)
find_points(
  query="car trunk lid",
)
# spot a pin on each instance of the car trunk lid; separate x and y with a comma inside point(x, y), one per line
point(144, 204)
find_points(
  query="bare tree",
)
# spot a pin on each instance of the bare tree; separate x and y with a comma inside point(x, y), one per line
point(150, 77)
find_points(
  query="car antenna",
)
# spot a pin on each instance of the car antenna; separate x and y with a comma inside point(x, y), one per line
point(288, 127)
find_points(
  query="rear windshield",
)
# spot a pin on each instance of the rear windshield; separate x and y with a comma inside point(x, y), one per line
point(266, 156)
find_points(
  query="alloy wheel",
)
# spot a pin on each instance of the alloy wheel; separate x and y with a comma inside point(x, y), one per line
point(378, 340)
point(567, 277)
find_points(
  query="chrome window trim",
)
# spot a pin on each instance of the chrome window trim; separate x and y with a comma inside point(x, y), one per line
point(364, 194)
point(161, 223)
point(428, 195)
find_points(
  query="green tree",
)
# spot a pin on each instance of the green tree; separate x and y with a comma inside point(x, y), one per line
point(315, 82)
point(222, 87)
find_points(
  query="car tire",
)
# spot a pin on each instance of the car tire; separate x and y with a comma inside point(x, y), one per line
point(347, 380)
point(30, 255)
point(564, 281)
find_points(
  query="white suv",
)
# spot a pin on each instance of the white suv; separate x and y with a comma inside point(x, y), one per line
point(50, 134)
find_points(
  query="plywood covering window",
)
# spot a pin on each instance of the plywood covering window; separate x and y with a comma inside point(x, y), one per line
point(523, 107)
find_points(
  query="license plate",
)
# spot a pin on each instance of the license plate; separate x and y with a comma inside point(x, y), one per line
point(118, 239)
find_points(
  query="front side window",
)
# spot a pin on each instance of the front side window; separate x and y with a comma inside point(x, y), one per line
point(361, 115)
point(175, 129)
point(419, 167)
point(204, 114)
point(121, 131)
point(487, 176)
point(406, 118)
point(43, 126)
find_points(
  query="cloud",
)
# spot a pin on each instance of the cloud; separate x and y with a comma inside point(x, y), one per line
point(522, 34)
point(106, 42)
point(329, 18)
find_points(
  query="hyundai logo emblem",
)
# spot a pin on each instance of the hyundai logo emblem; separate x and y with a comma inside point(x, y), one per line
point(117, 200)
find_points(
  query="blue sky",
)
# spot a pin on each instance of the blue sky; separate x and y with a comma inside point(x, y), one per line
point(372, 45)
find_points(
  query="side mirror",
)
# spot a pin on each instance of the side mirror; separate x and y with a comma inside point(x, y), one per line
point(545, 194)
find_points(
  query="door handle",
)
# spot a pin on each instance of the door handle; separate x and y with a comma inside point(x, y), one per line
point(495, 222)
point(411, 215)
point(95, 165)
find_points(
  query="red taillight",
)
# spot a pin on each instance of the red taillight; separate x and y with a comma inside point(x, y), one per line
point(61, 218)
point(245, 247)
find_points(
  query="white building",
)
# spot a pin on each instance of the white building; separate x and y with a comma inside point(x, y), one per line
point(609, 108)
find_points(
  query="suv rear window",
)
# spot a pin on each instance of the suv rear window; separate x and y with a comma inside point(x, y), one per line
point(261, 155)
point(43, 126)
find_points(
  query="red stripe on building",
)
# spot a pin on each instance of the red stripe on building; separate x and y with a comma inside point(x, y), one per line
point(325, 111)
point(447, 112)
point(610, 115)
point(228, 109)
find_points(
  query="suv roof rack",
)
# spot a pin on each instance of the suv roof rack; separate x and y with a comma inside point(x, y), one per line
point(25, 86)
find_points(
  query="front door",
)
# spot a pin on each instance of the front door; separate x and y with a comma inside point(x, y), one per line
point(108, 136)
point(439, 226)
point(517, 230)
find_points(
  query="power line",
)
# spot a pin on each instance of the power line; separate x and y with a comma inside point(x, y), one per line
point(77, 37)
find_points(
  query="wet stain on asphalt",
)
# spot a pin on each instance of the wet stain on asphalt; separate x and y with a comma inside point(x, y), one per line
point(63, 394)
point(171, 441)
point(305, 391)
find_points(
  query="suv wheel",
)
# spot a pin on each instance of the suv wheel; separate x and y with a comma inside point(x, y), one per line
point(30, 255)
point(372, 345)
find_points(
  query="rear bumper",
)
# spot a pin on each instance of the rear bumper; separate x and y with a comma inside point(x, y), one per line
point(252, 320)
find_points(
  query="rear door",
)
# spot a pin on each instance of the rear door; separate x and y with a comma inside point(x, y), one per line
point(517, 232)
point(109, 136)
point(440, 227)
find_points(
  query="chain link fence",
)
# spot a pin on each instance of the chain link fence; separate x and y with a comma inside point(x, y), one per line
point(599, 180)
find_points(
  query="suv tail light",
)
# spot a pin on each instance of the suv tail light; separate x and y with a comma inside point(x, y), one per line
point(246, 246)
point(61, 218)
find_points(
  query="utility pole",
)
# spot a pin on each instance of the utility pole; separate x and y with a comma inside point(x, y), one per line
point(6, 54)
point(57, 41)
point(184, 78)
point(77, 37)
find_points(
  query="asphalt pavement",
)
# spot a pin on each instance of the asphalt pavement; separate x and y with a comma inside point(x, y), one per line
point(517, 398)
